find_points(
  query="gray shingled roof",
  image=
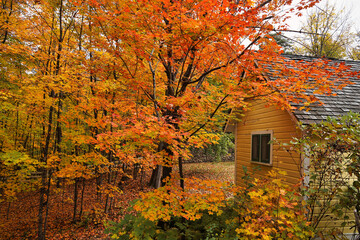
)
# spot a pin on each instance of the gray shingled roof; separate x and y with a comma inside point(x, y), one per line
point(346, 99)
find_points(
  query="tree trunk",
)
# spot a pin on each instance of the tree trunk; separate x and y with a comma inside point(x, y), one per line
point(181, 173)
point(8, 211)
point(47, 201)
point(44, 176)
point(82, 198)
point(44, 204)
point(98, 184)
point(76, 186)
point(136, 170)
point(166, 173)
point(41, 233)
point(107, 201)
point(142, 173)
point(155, 180)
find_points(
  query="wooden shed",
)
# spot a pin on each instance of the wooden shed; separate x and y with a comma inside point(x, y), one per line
point(261, 123)
point(253, 133)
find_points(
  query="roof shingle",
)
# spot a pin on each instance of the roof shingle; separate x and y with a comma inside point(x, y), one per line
point(345, 100)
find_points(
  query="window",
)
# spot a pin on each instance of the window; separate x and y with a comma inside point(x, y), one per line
point(261, 147)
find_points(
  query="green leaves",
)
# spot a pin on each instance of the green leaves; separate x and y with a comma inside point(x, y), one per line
point(16, 169)
point(268, 209)
point(333, 186)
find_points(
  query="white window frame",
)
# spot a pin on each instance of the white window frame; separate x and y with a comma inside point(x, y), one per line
point(271, 146)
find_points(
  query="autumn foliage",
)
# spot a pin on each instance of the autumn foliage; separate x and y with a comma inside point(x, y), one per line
point(331, 184)
point(109, 90)
point(268, 209)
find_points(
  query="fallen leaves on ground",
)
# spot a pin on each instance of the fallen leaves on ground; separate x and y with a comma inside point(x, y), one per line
point(18, 220)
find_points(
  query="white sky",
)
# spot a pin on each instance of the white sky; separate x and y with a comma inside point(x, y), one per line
point(348, 5)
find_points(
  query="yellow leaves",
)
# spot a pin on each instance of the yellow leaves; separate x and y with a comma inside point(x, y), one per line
point(21, 160)
point(172, 201)
point(256, 194)
point(17, 168)
point(268, 210)
point(272, 212)
point(82, 166)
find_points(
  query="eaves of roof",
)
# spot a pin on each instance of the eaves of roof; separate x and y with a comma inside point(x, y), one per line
point(339, 103)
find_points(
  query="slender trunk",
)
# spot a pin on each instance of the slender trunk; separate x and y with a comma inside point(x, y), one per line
point(75, 198)
point(47, 203)
point(98, 184)
point(136, 171)
point(33, 147)
point(76, 186)
point(17, 125)
point(58, 131)
point(181, 172)
point(44, 204)
point(142, 173)
point(8, 211)
point(28, 136)
point(82, 198)
point(112, 199)
point(41, 233)
point(107, 201)
point(44, 176)
point(7, 22)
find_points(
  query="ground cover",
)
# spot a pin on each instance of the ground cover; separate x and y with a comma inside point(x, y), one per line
point(224, 171)
point(18, 219)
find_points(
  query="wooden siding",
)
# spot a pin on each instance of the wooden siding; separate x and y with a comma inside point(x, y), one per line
point(283, 127)
point(261, 118)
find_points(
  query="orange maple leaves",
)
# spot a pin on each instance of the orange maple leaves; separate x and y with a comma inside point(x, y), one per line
point(268, 209)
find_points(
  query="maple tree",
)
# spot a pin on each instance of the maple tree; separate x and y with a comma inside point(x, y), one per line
point(189, 60)
point(92, 89)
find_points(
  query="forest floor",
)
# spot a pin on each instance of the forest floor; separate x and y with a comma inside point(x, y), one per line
point(18, 220)
point(224, 171)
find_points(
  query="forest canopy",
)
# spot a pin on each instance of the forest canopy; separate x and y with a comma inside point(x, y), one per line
point(91, 88)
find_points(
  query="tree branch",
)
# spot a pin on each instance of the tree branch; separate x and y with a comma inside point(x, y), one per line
point(202, 77)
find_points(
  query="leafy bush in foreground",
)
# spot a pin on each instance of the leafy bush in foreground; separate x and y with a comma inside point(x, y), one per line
point(268, 209)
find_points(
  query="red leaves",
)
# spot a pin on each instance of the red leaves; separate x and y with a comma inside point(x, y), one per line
point(103, 83)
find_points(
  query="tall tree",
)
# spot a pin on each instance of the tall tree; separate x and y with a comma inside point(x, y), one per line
point(98, 87)
point(327, 33)
point(187, 60)
point(354, 52)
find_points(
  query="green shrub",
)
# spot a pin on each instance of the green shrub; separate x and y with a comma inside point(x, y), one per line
point(212, 210)
point(215, 151)
point(332, 179)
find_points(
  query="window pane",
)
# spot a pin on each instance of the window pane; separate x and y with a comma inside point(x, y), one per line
point(265, 148)
point(255, 148)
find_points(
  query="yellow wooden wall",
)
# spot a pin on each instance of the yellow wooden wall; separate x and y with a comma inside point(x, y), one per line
point(261, 118)
point(283, 125)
